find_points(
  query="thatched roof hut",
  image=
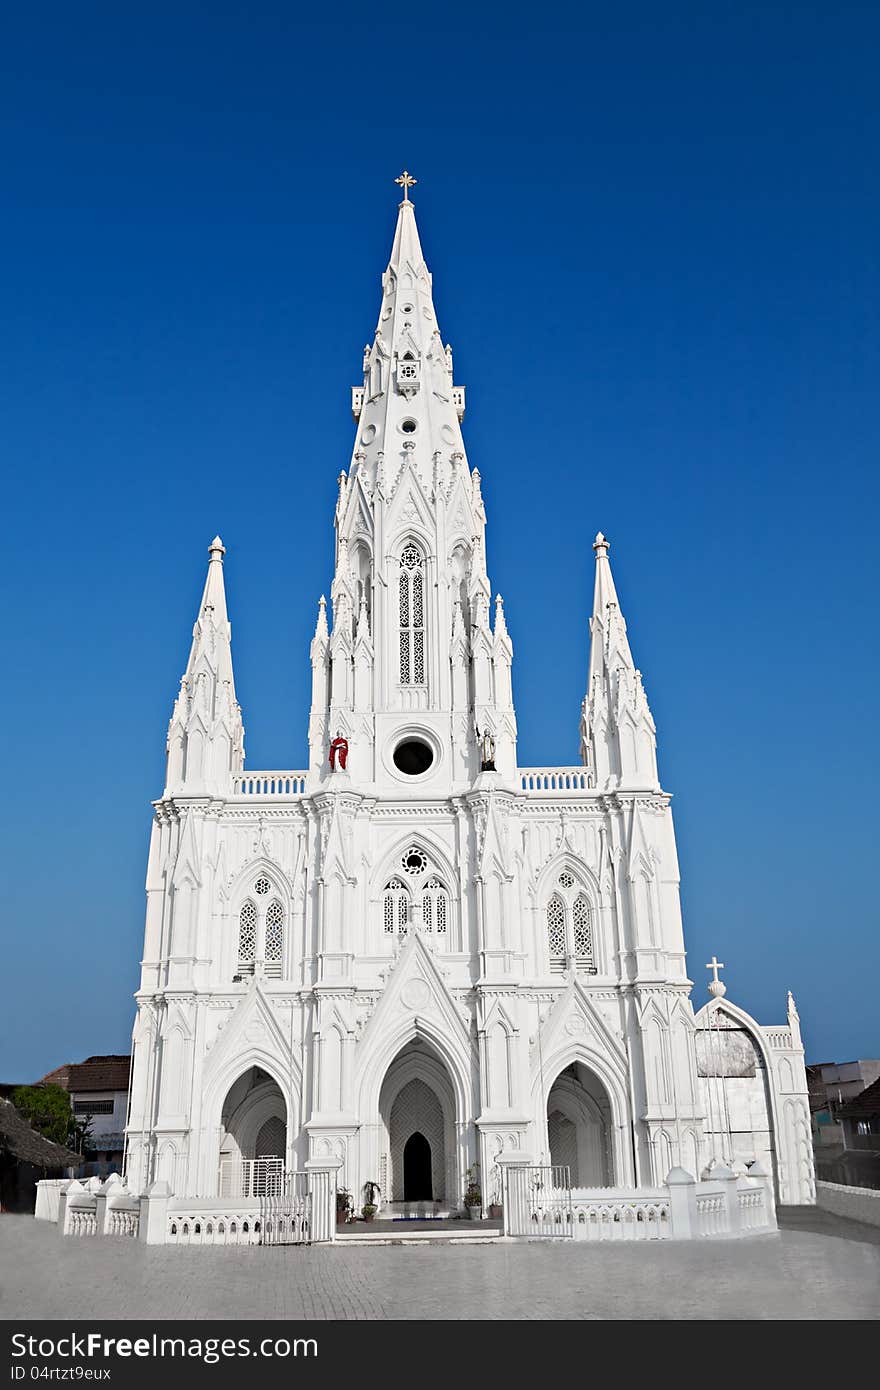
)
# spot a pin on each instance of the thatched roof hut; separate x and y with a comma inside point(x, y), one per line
point(20, 1141)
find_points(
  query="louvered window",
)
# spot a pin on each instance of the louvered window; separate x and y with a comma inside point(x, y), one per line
point(411, 600)
point(247, 938)
point(396, 907)
point(556, 930)
point(274, 938)
point(582, 919)
point(570, 926)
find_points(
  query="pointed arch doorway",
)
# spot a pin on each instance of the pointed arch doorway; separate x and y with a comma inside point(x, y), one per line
point(418, 1181)
point(417, 1112)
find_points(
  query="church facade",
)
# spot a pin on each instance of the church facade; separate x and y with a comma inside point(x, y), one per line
point(415, 957)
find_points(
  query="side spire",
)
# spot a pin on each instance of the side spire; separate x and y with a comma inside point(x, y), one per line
point(205, 735)
point(618, 735)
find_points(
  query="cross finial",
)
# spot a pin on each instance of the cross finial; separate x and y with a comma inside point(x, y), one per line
point(716, 986)
point(406, 182)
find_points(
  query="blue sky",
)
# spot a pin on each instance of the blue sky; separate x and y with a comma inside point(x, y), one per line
point(654, 238)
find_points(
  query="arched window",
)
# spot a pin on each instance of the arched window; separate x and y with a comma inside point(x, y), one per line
point(570, 926)
point(582, 921)
point(417, 895)
point(396, 907)
point(274, 938)
point(556, 930)
point(247, 938)
point(435, 906)
point(411, 599)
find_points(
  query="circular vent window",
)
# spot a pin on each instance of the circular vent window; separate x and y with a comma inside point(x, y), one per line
point(413, 757)
point(409, 426)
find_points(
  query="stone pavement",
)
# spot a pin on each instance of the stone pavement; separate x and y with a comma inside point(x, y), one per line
point(820, 1266)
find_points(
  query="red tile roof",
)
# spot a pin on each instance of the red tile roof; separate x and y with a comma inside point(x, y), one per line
point(94, 1074)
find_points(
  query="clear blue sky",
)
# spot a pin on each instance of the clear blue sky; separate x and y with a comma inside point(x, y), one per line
point(654, 237)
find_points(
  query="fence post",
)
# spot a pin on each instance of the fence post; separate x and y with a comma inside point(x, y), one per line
point(322, 1197)
point(513, 1164)
point(69, 1188)
point(760, 1174)
point(682, 1203)
point(727, 1178)
point(153, 1223)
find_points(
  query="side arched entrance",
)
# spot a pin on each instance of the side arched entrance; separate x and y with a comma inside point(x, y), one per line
point(579, 1127)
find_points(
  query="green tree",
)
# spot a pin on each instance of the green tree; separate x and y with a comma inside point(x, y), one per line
point(48, 1109)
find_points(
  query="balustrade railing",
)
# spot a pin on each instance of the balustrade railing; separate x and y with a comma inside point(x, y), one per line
point(554, 779)
point(278, 784)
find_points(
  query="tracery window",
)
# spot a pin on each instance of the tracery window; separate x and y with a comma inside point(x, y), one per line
point(411, 601)
point(435, 906)
point(396, 907)
point(570, 926)
point(416, 896)
point(247, 938)
point(274, 938)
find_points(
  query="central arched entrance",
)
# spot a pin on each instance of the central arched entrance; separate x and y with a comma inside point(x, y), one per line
point(579, 1127)
point(418, 1175)
point(417, 1112)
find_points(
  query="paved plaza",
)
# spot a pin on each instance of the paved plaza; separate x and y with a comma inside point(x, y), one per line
point(819, 1266)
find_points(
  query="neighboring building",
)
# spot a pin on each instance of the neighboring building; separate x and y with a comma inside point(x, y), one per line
point(416, 954)
point(830, 1086)
point(26, 1157)
point(98, 1089)
point(845, 1106)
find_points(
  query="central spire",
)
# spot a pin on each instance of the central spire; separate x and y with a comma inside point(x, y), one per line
point(411, 636)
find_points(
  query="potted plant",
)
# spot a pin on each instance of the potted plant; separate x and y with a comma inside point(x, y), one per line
point(344, 1204)
point(368, 1210)
point(473, 1197)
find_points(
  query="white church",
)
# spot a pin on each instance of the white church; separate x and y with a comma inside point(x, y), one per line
point(415, 964)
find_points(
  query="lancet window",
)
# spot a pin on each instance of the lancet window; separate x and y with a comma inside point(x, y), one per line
point(416, 897)
point(570, 926)
point(411, 610)
point(261, 931)
point(247, 938)
point(274, 938)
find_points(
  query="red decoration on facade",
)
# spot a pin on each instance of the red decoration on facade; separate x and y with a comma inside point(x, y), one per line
point(338, 750)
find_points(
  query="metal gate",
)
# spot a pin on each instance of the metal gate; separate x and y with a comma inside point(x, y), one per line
point(286, 1212)
point(537, 1201)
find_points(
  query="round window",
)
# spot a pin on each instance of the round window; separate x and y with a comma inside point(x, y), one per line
point(409, 426)
point(407, 308)
point(413, 757)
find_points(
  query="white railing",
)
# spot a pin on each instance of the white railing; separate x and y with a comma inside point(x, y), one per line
point(268, 783)
point(554, 779)
point(538, 1203)
point(779, 1037)
point(752, 1212)
point(713, 1218)
point(235, 1225)
point(251, 1177)
point(595, 1216)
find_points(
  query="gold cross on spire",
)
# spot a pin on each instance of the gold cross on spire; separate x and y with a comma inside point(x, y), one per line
point(406, 182)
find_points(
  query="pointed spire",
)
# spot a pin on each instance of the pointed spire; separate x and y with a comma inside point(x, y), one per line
point(618, 740)
point(321, 629)
point(607, 626)
point(406, 247)
point(206, 736)
point(500, 621)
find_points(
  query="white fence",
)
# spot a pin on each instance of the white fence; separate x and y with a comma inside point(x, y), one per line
point(251, 1177)
point(270, 1207)
point(538, 1203)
